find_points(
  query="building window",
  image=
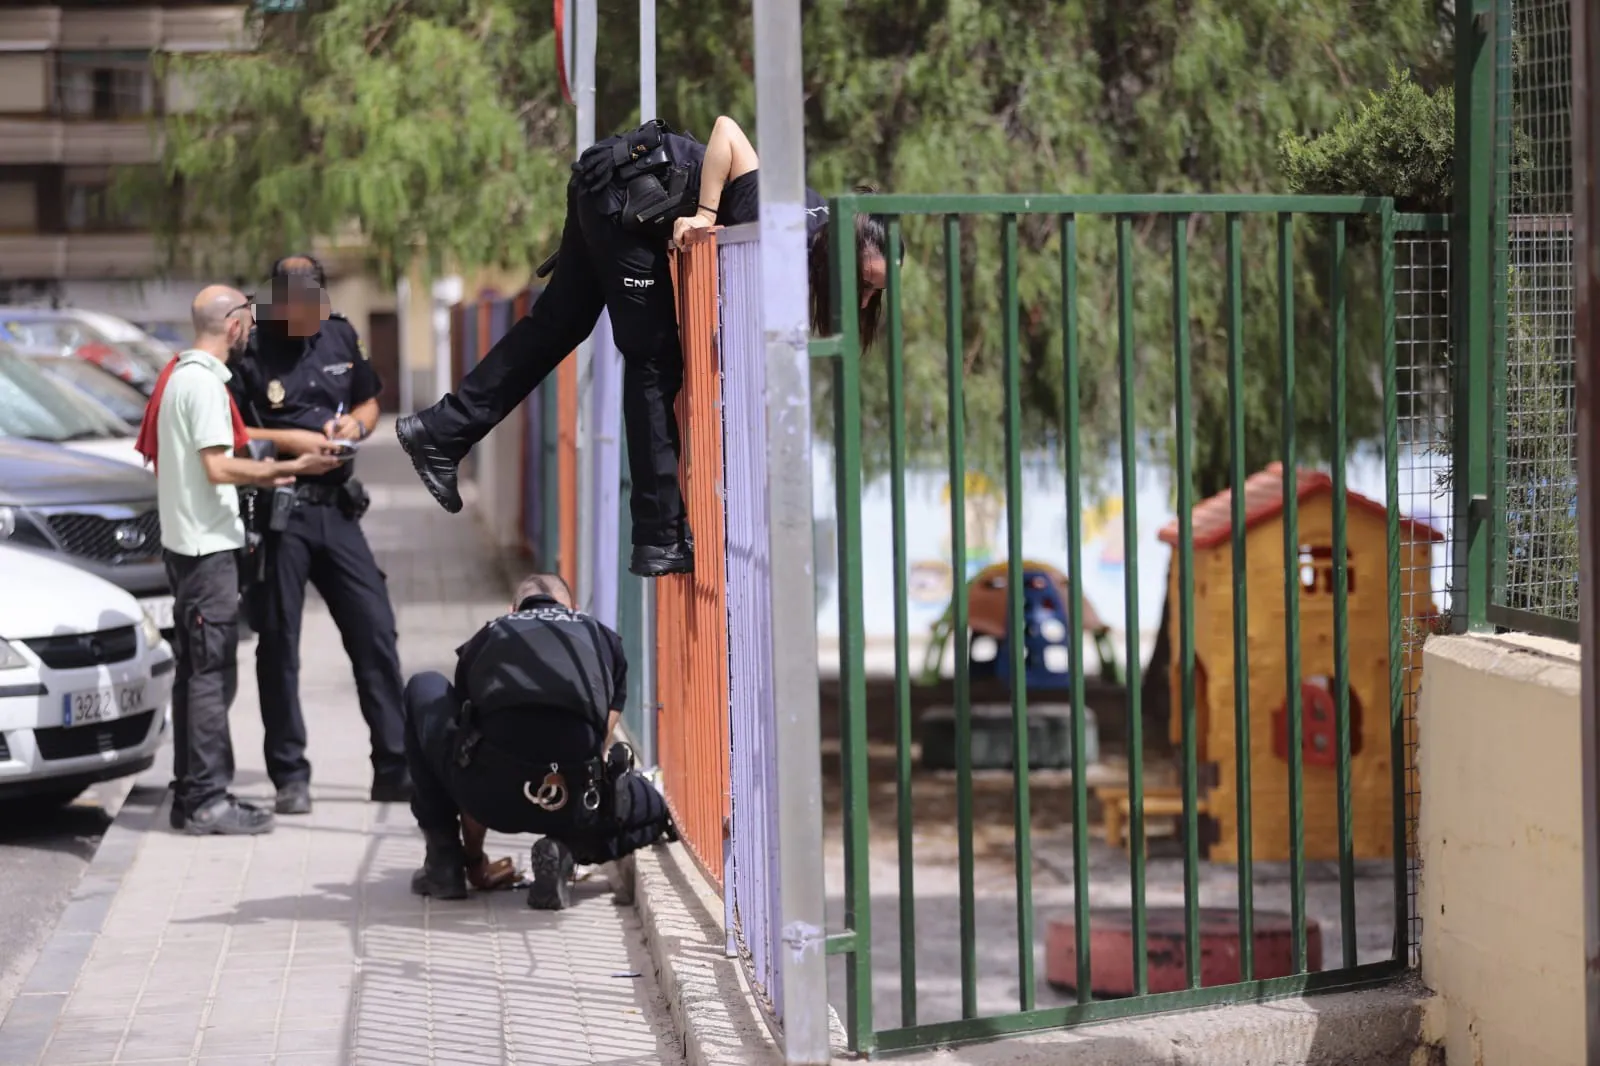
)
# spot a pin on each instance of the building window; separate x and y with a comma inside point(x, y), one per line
point(19, 206)
point(105, 85)
point(1316, 569)
point(89, 207)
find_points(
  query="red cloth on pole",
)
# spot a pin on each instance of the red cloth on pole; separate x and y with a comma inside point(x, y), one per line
point(146, 444)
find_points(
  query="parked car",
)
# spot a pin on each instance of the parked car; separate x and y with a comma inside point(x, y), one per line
point(85, 680)
point(35, 406)
point(98, 384)
point(176, 335)
point(97, 515)
point(154, 352)
point(44, 331)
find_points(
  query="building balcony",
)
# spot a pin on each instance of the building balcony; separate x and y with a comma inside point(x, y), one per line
point(188, 28)
point(77, 256)
point(76, 142)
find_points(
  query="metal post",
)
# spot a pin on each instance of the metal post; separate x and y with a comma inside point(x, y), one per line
point(1472, 236)
point(1585, 29)
point(583, 96)
point(780, 118)
point(647, 60)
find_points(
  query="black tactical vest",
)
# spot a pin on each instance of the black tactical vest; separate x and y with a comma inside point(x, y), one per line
point(542, 659)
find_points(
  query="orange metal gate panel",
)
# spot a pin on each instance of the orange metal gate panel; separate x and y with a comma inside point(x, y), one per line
point(691, 609)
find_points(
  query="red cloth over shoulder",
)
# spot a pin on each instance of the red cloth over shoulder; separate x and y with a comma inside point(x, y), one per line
point(146, 444)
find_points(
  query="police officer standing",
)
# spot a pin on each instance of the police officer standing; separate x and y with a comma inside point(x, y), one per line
point(521, 743)
point(303, 380)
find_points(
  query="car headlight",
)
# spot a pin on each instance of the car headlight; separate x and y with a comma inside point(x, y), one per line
point(152, 632)
point(10, 658)
point(8, 522)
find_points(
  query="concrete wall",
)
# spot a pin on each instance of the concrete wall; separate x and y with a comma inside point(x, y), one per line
point(1502, 852)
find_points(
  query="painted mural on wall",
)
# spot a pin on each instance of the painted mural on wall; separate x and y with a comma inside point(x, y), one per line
point(1106, 551)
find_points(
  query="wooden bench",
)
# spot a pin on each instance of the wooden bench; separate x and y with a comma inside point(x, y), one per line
point(1116, 806)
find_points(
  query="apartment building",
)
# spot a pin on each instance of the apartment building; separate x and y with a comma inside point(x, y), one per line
point(79, 97)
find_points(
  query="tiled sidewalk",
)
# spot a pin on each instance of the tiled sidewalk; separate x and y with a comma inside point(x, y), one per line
point(305, 947)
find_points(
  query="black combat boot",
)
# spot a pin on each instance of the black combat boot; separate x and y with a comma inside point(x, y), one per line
point(434, 465)
point(444, 870)
point(552, 876)
point(659, 560)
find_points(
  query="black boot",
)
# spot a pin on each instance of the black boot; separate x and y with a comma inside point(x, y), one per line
point(444, 870)
point(552, 876)
point(659, 560)
point(434, 466)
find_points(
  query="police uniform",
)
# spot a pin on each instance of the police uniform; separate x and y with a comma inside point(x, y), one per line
point(301, 383)
point(516, 742)
point(608, 259)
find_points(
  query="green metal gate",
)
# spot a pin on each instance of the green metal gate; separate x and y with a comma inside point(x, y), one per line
point(1046, 274)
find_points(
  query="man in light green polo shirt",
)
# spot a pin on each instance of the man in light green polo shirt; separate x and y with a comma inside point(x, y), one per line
point(197, 474)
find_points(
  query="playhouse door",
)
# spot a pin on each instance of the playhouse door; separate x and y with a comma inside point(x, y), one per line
point(1318, 727)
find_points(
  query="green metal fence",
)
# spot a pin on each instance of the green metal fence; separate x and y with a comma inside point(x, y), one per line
point(1535, 539)
point(1337, 313)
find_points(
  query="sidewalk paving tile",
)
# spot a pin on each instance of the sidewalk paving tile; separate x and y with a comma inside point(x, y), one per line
point(306, 947)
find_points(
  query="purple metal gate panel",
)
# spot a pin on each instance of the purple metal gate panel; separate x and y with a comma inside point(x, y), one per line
point(751, 878)
point(605, 397)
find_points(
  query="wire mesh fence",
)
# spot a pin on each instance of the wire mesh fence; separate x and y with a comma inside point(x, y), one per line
point(1535, 546)
point(1423, 372)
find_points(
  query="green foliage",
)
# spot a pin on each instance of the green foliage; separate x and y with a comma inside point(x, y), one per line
point(1400, 143)
point(411, 122)
point(435, 125)
point(1538, 533)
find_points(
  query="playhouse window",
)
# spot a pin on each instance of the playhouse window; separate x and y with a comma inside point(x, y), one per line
point(1316, 569)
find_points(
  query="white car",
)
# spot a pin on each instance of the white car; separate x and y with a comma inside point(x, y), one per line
point(85, 679)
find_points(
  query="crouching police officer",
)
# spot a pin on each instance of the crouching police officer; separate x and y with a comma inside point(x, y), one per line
point(303, 380)
point(521, 743)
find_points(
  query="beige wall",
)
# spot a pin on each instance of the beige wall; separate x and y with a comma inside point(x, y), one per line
point(24, 84)
point(356, 297)
point(1502, 854)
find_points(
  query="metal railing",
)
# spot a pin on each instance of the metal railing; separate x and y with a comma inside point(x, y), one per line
point(691, 626)
point(1302, 643)
point(1534, 575)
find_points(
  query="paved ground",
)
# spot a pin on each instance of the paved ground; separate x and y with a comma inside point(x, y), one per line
point(306, 947)
point(43, 853)
point(938, 910)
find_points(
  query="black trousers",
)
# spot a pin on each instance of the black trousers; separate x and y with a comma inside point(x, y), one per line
point(325, 547)
point(442, 791)
point(205, 591)
point(601, 265)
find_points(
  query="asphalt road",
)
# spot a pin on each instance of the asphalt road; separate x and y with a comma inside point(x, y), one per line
point(44, 850)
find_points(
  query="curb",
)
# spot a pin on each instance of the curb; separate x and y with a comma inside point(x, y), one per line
point(32, 1016)
point(713, 1007)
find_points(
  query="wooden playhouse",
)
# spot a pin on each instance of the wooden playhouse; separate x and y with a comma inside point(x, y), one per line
point(1366, 546)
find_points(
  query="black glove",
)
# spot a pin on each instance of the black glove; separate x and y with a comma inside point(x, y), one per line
point(595, 167)
point(600, 161)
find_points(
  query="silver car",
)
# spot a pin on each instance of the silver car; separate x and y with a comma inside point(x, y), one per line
point(96, 514)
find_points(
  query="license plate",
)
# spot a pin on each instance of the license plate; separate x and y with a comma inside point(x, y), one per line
point(160, 609)
point(101, 704)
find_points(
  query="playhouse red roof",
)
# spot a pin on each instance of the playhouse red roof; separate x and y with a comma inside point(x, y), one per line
point(1263, 499)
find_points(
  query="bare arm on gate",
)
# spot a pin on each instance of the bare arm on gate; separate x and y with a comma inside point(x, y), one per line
point(729, 155)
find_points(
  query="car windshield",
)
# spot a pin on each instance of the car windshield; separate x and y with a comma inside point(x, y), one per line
point(122, 399)
point(44, 333)
point(38, 408)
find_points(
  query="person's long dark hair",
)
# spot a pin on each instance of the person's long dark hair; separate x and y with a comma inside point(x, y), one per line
point(872, 235)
